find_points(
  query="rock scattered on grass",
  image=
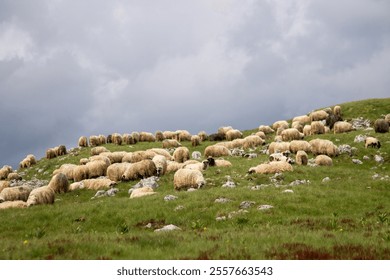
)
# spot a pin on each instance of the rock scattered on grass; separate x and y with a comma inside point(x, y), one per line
point(264, 207)
point(246, 204)
point(170, 197)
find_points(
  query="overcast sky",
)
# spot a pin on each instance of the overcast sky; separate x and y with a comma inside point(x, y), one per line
point(72, 68)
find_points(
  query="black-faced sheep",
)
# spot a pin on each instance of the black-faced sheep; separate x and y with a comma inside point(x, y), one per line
point(372, 142)
point(291, 134)
point(381, 126)
point(218, 162)
point(216, 151)
point(301, 158)
point(271, 167)
point(15, 193)
point(342, 127)
point(181, 154)
point(323, 160)
point(188, 178)
point(325, 147)
point(41, 195)
point(140, 170)
point(59, 183)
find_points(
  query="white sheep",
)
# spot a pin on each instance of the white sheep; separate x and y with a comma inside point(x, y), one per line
point(297, 145)
point(59, 183)
point(181, 154)
point(115, 171)
point(98, 150)
point(41, 195)
point(233, 134)
point(318, 115)
point(97, 168)
point(13, 204)
point(4, 184)
point(342, 126)
point(302, 119)
point(323, 160)
point(317, 127)
point(291, 134)
point(67, 169)
point(187, 178)
point(307, 130)
point(202, 135)
point(249, 142)
point(93, 184)
point(266, 129)
point(140, 192)
point(195, 140)
point(280, 124)
point(161, 164)
point(183, 135)
point(216, 151)
point(146, 137)
point(4, 171)
point(15, 193)
point(162, 152)
point(196, 165)
point(83, 141)
point(140, 170)
point(173, 166)
point(301, 158)
point(80, 172)
point(325, 147)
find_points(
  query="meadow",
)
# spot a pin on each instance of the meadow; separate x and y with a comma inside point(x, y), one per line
point(344, 217)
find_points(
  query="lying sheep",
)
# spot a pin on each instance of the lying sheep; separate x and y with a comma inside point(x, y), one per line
point(271, 167)
point(195, 140)
point(114, 157)
point(187, 178)
point(291, 134)
point(41, 195)
point(342, 127)
point(4, 184)
point(280, 157)
point(323, 160)
point(140, 192)
point(115, 171)
point(297, 145)
point(381, 126)
point(140, 170)
point(372, 142)
point(181, 154)
point(4, 171)
point(218, 162)
point(162, 152)
point(84, 161)
point(15, 193)
point(301, 158)
point(278, 147)
point(173, 166)
point(318, 115)
point(161, 164)
point(14, 176)
point(216, 151)
point(59, 183)
point(98, 150)
point(321, 146)
point(138, 156)
point(13, 204)
point(195, 165)
point(170, 143)
point(93, 184)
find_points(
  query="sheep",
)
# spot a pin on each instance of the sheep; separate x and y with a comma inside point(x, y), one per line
point(4, 171)
point(307, 130)
point(181, 154)
point(278, 147)
point(170, 143)
point(93, 184)
point(100, 157)
point(140, 170)
point(297, 145)
point(372, 142)
point(60, 150)
point(13, 204)
point(291, 134)
point(140, 192)
point(138, 156)
point(387, 118)
point(15, 193)
point(317, 127)
point(116, 139)
point(251, 141)
point(188, 178)
point(261, 134)
point(146, 137)
point(202, 135)
point(318, 115)
point(337, 110)
point(159, 136)
point(50, 153)
point(301, 158)
point(115, 171)
point(195, 165)
point(162, 152)
point(59, 183)
point(233, 134)
point(98, 150)
point(173, 166)
point(4, 184)
point(135, 136)
point(196, 155)
point(321, 146)
point(183, 135)
point(169, 135)
point(381, 126)
point(230, 144)
point(280, 157)
point(84, 161)
point(161, 164)
point(323, 160)
point(115, 157)
point(216, 137)
point(14, 176)
point(341, 127)
point(266, 129)
point(80, 172)
point(128, 139)
point(216, 151)
point(271, 167)
point(222, 131)
point(67, 169)
point(28, 161)
point(280, 124)
point(97, 168)
point(302, 119)
point(280, 130)
point(102, 139)
point(195, 140)
point(298, 126)
point(41, 195)
point(94, 141)
point(218, 162)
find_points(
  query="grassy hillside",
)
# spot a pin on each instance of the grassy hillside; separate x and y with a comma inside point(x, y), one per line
point(346, 217)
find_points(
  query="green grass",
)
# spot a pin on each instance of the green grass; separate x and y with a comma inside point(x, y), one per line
point(347, 217)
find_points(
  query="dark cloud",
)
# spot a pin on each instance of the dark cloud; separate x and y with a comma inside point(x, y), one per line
point(91, 67)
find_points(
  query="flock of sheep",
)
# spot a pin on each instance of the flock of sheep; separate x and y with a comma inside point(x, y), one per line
point(103, 169)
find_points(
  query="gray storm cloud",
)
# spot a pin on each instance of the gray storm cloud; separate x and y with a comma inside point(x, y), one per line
point(72, 68)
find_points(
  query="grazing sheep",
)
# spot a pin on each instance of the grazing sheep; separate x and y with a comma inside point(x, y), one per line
point(195, 140)
point(102, 139)
point(301, 158)
point(278, 147)
point(188, 178)
point(140, 192)
point(4, 171)
point(128, 139)
point(325, 147)
point(60, 150)
point(162, 152)
point(318, 115)
point(251, 141)
point(135, 136)
point(387, 118)
point(233, 134)
point(323, 160)
point(50, 153)
point(115, 157)
point(140, 170)
point(84, 161)
point(116, 139)
point(372, 142)
point(98, 150)
point(173, 166)
point(28, 161)
point(297, 145)
point(271, 167)
point(222, 131)
point(15, 193)
point(146, 137)
point(341, 127)
point(13, 204)
point(41, 195)
point(169, 134)
point(216, 151)
point(302, 119)
point(307, 130)
point(170, 143)
point(216, 137)
point(183, 135)
point(317, 127)
point(280, 130)
point(337, 110)
point(181, 154)
point(97, 168)
point(14, 176)
point(94, 141)
point(4, 184)
point(261, 134)
point(161, 164)
point(298, 126)
point(59, 183)
point(80, 172)
point(266, 129)
point(381, 126)
point(203, 136)
point(280, 124)
point(137, 156)
point(67, 169)
point(159, 136)
point(115, 171)
point(291, 134)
